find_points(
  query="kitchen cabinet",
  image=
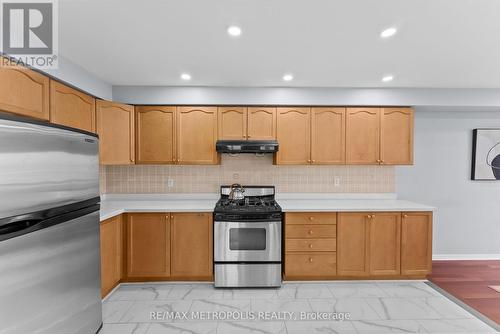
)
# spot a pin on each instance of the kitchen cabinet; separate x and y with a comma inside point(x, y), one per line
point(241, 123)
point(71, 107)
point(328, 136)
point(362, 136)
point(416, 243)
point(192, 246)
point(197, 135)
point(148, 245)
point(353, 244)
point(310, 245)
point(115, 127)
point(23, 91)
point(294, 136)
point(155, 135)
point(385, 243)
point(232, 123)
point(396, 136)
point(261, 123)
point(111, 240)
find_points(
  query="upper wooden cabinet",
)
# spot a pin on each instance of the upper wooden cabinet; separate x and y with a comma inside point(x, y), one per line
point(261, 123)
point(363, 136)
point(197, 135)
point(155, 135)
point(111, 239)
point(23, 91)
point(328, 135)
point(416, 243)
point(396, 136)
point(115, 126)
point(232, 123)
point(148, 245)
point(240, 123)
point(294, 136)
point(71, 107)
point(192, 246)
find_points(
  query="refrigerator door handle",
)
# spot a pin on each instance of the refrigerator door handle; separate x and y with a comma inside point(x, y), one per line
point(19, 226)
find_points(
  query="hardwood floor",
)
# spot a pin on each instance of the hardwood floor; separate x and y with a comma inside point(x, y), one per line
point(473, 282)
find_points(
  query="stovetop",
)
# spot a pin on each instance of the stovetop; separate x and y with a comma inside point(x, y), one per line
point(259, 203)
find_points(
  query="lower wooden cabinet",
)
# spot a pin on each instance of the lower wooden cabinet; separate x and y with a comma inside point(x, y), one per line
point(148, 245)
point(416, 243)
point(111, 253)
point(192, 246)
point(385, 243)
point(353, 244)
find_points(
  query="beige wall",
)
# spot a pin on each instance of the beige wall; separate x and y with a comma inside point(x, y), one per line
point(246, 169)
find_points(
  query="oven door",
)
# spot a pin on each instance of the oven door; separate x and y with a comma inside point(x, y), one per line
point(247, 241)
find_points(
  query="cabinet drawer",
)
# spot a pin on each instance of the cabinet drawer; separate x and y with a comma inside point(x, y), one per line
point(317, 218)
point(314, 265)
point(311, 245)
point(310, 231)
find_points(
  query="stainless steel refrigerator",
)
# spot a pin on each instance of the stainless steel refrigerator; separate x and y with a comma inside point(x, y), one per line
point(49, 229)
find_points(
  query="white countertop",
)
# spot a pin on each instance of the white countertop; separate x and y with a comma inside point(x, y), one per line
point(113, 205)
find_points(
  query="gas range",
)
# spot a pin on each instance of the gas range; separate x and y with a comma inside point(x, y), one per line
point(258, 204)
point(247, 238)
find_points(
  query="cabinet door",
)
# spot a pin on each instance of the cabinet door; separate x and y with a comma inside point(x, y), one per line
point(328, 135)
point(385, 243)
point(192, 245)
point(115, 126)
point(362, 136)
point(71, 108)
point(396, 136)
point(232, 123)
point(23, 91)
point(416, 243)
point(148, 245)
point(294, 136)
point(353, 244)
point(196, 135)
point(155, 135)
point(261, 123)
point(111, 253)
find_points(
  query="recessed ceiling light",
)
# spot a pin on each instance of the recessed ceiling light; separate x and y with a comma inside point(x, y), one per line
point(234, 31)
point(288, 77)
point(388, 32)
point(387, 78)
point(185, 76)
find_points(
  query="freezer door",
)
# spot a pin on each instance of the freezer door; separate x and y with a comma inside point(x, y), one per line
point(50, 281)
point(44, 166)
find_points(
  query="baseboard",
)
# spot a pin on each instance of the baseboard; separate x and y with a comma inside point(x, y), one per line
point(466, 257)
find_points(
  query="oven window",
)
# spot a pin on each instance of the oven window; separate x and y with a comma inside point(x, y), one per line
point(247, 238)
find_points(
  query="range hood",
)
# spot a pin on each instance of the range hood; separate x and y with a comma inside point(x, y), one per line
point(247, 146)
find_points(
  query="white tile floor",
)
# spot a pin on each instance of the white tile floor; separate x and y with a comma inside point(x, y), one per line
point(374, 307)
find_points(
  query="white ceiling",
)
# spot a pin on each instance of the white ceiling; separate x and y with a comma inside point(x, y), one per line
point(324, 43)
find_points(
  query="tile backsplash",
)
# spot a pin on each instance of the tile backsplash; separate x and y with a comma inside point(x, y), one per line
point(247, 169)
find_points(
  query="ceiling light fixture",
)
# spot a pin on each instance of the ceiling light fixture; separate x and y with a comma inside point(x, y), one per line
point(387, 78)
point(388, 32)
point(185, 76)
point(288, 77)
point(234, 31)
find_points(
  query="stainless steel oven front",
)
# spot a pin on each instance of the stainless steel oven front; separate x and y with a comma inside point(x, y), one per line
point(247, 241)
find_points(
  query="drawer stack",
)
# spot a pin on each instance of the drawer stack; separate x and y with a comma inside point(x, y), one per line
point(310, 245)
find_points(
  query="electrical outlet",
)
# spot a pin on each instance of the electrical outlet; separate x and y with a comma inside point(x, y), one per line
point(236, 176)
point(336, 181)
point(170, 183)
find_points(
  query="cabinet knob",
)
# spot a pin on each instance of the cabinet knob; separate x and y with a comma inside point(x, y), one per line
point(172, 216)
point(313, 161)
point(310, 231)
point(405, 215)
point(309, 161)
point(310, 259)
point(369, 216)
point(373, 216)
point(311, 218)
point(310, 245)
